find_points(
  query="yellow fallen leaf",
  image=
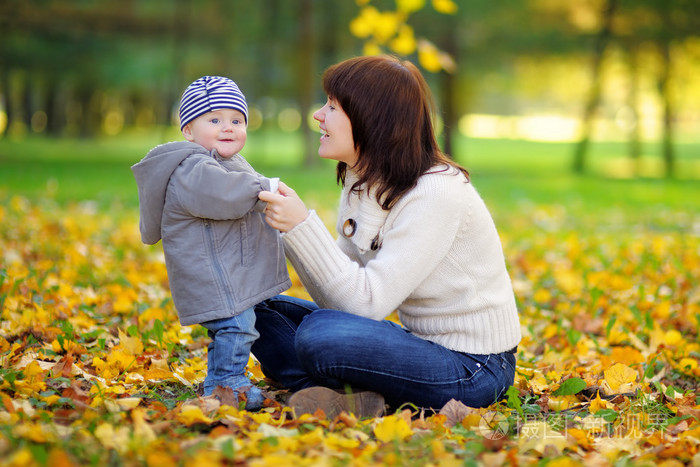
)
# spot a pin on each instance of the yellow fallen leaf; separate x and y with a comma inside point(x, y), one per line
point(110, 438)
point(564, 462)
point(130, 345)
point(312, 438)
point(254, 367)
point(623, 354)
point(693, 434)
point(580, 436)
point(20, 457)
point(538, 436)
point(618, 375)
point(613, 448)
point(191, 414)
point(559, 403)
point(335, 442)
point(59, 458)
point(538, 384)
point(128, 403)
point(51, 399)
point(37, 432)
point(118, 360)
point(687, 364)
point(142, 430)
point(160, 458)
point(392, 428)
point(472, 420)
point(599, 404)
point(271, 431)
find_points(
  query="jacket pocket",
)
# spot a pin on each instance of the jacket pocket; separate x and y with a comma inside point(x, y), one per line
point(220, 275)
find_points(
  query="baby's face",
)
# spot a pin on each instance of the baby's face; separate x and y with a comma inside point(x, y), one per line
point(223, 130)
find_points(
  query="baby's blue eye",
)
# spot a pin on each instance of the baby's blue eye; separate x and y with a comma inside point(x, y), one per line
point(215, 120)
point(237, 121)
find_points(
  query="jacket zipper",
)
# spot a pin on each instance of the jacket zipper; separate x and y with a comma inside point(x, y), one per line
point(217, 265)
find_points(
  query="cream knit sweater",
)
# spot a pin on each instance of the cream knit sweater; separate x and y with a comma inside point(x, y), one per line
point(440, 263)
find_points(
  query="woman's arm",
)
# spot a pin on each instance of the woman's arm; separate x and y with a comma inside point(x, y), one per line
point(422, 229)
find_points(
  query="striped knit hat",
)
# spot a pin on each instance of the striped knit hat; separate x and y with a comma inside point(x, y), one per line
point(210, 93)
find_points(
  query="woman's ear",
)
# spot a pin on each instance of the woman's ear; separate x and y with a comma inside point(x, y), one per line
point(187, 133)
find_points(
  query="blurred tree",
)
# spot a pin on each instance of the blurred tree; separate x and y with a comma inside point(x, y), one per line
point(601, 44)
point(96, 66)
point(626, 24)
point(307, 84)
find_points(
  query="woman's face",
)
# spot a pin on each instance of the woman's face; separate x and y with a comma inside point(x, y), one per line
point(336, 134)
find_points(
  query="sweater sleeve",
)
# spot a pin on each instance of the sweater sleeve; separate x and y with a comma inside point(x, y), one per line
point(421, 233)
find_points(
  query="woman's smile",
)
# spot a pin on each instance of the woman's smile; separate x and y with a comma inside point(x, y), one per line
point(336, 141)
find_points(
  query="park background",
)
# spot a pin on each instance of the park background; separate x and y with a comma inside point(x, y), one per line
point(578, 121)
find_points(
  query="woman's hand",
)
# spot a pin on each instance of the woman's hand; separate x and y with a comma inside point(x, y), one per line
point(285, 210)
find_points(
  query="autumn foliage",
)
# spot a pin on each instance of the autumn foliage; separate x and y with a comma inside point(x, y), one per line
point(96, 370)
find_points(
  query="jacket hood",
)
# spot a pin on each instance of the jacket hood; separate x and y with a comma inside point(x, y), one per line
point(152, 175)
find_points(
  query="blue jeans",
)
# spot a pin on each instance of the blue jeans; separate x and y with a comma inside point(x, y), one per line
point(301, 345)
point(228, 353)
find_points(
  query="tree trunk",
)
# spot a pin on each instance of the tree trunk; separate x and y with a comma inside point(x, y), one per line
point(448, 111)
point(5, 90)
point(664, 89)
point(449, 45)
point(594, 96)
point(634, 146)
point(306, 77)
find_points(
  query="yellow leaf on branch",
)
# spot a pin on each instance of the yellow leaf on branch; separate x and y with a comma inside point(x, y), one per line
point(363, 25)
point(429, 56)
point(448, 7)
point(410, 6)
point(405, 42)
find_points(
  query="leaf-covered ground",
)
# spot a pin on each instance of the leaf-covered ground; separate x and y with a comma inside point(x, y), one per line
point(95, 369)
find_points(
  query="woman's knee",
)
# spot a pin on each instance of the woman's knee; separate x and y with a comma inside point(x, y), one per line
point(317, 333)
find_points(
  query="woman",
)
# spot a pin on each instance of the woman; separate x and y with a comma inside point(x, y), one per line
point(413, 236)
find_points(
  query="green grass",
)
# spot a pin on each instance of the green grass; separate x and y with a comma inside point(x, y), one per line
point(512, 176)
point(69, 170)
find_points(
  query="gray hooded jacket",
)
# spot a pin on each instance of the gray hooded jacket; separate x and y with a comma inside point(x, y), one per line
point(221, 256)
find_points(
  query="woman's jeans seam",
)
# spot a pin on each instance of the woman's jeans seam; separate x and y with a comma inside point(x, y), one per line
point(318, 370)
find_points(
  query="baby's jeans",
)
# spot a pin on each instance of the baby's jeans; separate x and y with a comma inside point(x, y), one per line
point(229, 350)
point(301, 345)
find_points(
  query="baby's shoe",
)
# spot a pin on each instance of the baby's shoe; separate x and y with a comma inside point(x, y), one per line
point(255, 397)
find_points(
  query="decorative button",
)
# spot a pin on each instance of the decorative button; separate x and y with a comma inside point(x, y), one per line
point(375, 245)
point(349, 227)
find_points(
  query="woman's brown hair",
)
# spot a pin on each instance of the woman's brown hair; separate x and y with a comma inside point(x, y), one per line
point(389, 106)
